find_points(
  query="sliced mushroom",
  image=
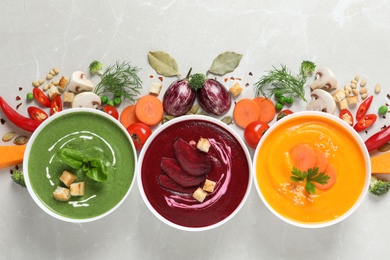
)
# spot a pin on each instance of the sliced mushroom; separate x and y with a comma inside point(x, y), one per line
point(322, 101)
point(324, 79)
point(86, 99)
point(79, 83)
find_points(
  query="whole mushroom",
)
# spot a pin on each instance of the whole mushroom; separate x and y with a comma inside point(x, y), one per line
point(322, 101)
point(86, 99)
point(324, 79)
point(79, 83)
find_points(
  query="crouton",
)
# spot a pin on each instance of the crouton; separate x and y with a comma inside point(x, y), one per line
point(203, 145)
point(67, 178)
point(62, 84)
point(236, 89)
point(155, 88)
point(77, 189)
point(199, 194)
point(209, 185)
point(68, 97)
point(61, 194)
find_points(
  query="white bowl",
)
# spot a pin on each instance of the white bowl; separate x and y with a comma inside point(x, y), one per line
point(182, 211)
point(326, 207)
point(79, 128)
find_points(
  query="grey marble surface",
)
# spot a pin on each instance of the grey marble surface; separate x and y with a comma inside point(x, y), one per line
point(349, 36)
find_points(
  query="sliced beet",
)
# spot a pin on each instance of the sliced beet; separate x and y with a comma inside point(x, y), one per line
point(190, 159)
point(173, 170)
point(167, 183)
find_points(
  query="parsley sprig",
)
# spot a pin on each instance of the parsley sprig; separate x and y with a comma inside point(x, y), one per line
point(311, 175)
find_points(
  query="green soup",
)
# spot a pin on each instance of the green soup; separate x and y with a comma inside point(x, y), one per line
point(94, 134)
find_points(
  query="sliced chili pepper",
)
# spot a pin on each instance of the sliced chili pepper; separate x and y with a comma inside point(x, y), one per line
point(23, 122)
point(346, 115)
point(379, 139)
point(364, 106)
point(37, 113)
point(56, 105)
point(365, 122)
point(41, 97)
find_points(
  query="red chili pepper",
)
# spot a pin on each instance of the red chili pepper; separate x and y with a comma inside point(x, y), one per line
point(365, 122)
point(37, 113)
point(364, 106)
point(23, 122)
point(346, 115)
point(56, 105)
point(378, 139)
point(41, 97)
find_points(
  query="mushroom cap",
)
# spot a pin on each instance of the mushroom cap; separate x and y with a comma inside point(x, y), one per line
point(322, 101)
point(86, 99)
point(78, 82)
point(325, 79)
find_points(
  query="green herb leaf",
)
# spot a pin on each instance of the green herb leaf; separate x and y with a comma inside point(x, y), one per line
point(120, 80)
point(94, 168)
point(225, 63)
point(163, 63)
point(312, 175)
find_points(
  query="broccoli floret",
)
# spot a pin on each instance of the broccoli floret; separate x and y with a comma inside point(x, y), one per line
point(307, 68)
point(96, 67)
point(378, 187)
point(197, 80)
point(18, 177)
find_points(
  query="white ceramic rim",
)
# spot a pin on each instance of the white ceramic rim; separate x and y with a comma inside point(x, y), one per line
point(181, 119)
point(27, 152)
point(363, 150)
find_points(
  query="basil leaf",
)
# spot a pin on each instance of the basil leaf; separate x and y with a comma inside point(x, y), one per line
point(71, 157)
point(97, 170)
point(163, 63)
point(225, 63)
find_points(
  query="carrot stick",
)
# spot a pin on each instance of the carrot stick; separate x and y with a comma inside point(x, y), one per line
point(331, 172)
point(11, 155)
point(245, 112)
point(127, 116)
point(267, 109)
point(149, 110)
point(303, 157)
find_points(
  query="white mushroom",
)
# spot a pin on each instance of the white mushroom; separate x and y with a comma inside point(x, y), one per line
point(322, 101)
point(78, 82)
point(324, 79)
point(86, 99)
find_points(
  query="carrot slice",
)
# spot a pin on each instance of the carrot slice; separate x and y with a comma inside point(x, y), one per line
point(331, 172)
point(303, 157)
point(321, 160)
point(149, 110)
point(267, 109)
point(127, 116)
point(245, 112)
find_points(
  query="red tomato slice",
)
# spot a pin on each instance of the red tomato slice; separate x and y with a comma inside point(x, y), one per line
point(365, 122)
point(283, 113)
point(41, 97)
point(37, 113)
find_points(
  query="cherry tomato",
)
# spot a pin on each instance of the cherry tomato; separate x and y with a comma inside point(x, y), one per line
point(364, 106)
point(56, 105)
point(139, 132)
point(283, 113)
point(253, 133)
point(346, 115)
point(37, 113)
point(111, 110)
point(365, 122)
point(41, 97)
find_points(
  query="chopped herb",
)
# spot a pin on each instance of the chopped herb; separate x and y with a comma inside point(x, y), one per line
point(311, 175)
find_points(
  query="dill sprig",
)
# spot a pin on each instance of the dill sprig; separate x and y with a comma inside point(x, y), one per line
point(282, 81)
point(120, 80)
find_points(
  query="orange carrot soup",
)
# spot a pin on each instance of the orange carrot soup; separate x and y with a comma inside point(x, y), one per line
point(308, 142)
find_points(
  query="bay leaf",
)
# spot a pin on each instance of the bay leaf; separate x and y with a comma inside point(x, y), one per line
point(225, 62)
point(163, 63)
